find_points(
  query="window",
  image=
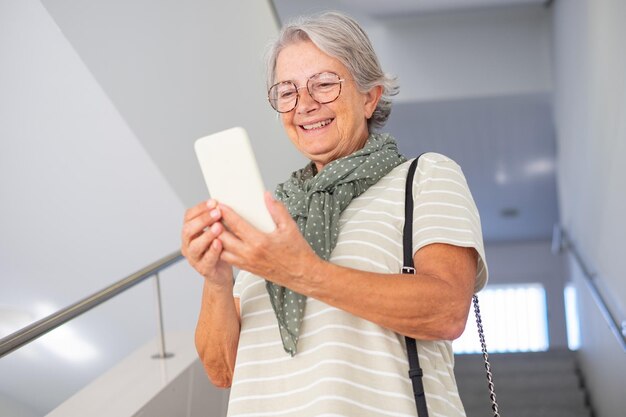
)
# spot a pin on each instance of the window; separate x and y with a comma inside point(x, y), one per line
point(514, 319)
point(571, 317)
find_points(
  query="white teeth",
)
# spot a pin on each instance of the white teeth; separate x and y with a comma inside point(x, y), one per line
point(317, 125)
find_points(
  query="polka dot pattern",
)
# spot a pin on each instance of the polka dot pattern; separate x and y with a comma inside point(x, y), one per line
point(315, 201)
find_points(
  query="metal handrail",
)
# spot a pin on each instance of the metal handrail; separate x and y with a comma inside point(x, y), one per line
point(31, 332)
point(562, 242)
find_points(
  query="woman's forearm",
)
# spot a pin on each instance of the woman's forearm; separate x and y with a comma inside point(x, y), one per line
point(431, 305)
point(217, 334)
point(421, 306)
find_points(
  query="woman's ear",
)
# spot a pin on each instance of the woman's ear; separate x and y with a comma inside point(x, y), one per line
point(371, 100)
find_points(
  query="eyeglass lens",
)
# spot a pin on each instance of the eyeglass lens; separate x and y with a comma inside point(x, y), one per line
point(324, 88)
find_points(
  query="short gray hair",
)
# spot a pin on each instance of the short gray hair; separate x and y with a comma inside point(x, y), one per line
point(340, 37)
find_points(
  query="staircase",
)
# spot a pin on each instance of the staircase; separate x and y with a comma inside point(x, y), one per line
point(536, 384)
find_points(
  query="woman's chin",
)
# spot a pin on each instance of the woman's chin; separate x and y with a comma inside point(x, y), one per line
point(317, 144)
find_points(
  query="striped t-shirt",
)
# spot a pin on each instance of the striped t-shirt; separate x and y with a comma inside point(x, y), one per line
point(345, 365)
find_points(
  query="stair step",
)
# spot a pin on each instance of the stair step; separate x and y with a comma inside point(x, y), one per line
point(507, 363)
point(549, 355)
point(514, 400)
point(545, 411)
point(517, 382)
point(534, 384)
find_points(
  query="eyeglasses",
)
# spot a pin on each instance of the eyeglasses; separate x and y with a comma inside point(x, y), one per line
point(323, 87)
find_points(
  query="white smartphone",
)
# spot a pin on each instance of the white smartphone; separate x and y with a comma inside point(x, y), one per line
point(232, 175)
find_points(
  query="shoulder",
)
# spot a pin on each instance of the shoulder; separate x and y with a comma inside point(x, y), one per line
point(428, 161)
point(436, 161)
point(437, 168)
point(431, 166)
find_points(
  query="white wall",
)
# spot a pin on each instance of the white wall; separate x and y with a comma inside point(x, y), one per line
point(82, 206)
point(467, 54)
point(533, 262)
point(93, 182)
point(179, 70)
point(590, 104)
point(10, 407)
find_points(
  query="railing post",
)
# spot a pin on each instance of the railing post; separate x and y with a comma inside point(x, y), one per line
point(557, 239)
point(157, 290)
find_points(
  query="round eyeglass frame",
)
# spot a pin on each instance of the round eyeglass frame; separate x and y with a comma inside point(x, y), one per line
point(295, 103)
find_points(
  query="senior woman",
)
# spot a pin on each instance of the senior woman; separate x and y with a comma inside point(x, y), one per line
point(315, 321)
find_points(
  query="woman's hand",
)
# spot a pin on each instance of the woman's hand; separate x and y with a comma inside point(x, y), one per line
point(201, 246)
point(282, 256)
point(217, 332)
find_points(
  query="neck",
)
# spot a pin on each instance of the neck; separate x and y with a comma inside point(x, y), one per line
point(359, 145)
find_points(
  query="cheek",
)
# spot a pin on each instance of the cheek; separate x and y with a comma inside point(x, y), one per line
point(286, 120)
point(347, 123)
point(289, 128)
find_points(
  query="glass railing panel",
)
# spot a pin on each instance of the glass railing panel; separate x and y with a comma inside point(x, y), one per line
point(38, 377)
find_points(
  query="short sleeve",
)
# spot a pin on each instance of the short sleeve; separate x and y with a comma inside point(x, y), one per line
point(239, 285)
point(444, 210)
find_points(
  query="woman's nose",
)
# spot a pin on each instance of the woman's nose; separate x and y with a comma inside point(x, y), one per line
point(306, 103)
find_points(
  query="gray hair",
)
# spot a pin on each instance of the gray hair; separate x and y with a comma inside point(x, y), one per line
point(340, 37)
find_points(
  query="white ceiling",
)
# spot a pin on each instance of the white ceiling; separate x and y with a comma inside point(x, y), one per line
point(411, 7)
point(372, 9)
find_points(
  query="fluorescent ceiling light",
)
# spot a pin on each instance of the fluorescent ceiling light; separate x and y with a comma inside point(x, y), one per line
point(540, 166)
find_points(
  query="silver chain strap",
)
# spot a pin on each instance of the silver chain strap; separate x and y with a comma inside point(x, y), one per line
point(481, 335)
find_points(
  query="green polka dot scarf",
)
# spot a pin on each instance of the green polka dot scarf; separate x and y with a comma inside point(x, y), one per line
point(315, 202)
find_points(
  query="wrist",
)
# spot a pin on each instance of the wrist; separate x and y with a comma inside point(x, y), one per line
point(317, 273)
point(223, 287)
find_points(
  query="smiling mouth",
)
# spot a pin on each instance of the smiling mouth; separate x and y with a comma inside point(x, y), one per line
point(317, 125)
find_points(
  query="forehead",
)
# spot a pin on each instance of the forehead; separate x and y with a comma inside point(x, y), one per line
point(298, 61)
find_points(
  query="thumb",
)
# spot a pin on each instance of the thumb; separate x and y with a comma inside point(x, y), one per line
point(277, 210)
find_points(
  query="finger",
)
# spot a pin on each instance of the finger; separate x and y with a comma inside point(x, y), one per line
point(231, 259)
point(194, 227)
point(237, 252)
point(199, 208)
point(198, 246)
point(231, 242)
point(277, 210)
point(195, 211)
point(212, 254)
point(237, 224)
point(234, 250)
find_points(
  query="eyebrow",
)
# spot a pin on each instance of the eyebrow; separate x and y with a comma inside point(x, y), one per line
point(309, 77)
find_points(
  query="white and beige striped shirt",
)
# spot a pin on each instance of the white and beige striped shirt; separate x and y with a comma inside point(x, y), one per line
point(348, 366)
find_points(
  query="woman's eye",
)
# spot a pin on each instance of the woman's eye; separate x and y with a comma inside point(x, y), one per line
point(323, 85)
point(284, 95)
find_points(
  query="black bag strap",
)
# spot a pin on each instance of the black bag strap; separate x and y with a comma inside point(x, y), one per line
point(407, 232)
point(415, 372)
